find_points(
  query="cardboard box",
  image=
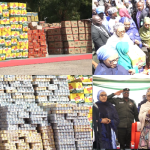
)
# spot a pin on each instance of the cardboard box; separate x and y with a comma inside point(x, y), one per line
point(83, 50)
point(50, 38)
point(68, 37)
point(82, 37)
point(82, 43)
point(80, 23)
point(87, 23)
point(74, 24)
point(69, 51)
point(69, 44)
point(89, 49)
point(88, 37)
point(65, 24)
point(88, 43)
point(87, 30)
point(77, 50)
point(50, 31)
point(2, 57)
point(51, 44)
point(81, 30)
point(57, 31)
point(88, 99)
point(75, 31)
point(57, 37)
point(76, 37)
point(78, 98)
point(77, 43)
point(66, 31)
point(7, 50)
point(59, 51)
point(58, 44)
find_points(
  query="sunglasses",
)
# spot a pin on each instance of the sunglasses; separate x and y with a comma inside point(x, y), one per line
point(112, 61)
point(126, 92)
point(103, 95)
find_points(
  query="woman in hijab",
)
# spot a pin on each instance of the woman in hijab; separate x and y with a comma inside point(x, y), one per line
point(105, 122)
point(108, 65)
point(145, 37)
point(119, 36)
point(124, 60)
point(131, 30)
point(144, 117)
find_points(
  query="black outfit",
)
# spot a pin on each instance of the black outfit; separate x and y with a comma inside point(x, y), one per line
point(127, 112)
point(143, 14)
point(99, 37)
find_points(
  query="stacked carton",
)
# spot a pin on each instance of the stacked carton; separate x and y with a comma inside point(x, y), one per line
point(72, 37)
point(37, 43)
point(32, 17)
point(13, 31)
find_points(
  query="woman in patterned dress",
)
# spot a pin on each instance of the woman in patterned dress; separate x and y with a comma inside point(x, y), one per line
point(144, 117)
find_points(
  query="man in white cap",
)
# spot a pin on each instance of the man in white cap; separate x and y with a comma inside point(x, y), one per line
point(129, 6)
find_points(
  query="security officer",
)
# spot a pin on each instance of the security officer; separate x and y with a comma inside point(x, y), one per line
point(127, 112)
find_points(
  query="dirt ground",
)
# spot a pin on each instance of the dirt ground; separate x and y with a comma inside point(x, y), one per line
point(78, 67)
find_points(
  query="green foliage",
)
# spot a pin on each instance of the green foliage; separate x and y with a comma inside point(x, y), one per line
point(59, 10)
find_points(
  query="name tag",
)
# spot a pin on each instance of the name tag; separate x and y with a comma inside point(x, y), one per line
point(121, 102)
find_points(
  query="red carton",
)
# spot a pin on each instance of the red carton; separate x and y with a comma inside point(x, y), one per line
point(75, 30)
point(80, 23)
point(59, 51)
point(66, 31)
point(89, 49)
point(69, 51)
point(74, 24)
point(58, 44)
point(69, 44)
point(83, 50)
point(82, 43)
point(65, 24)
point(77, 44)
point(51, 44)
point(35, 31)
point(50, 31)
point(41, 31)
point(87, 23)
point(87, 30)
point(57, 31)
point(88, 37)
point(88, 43)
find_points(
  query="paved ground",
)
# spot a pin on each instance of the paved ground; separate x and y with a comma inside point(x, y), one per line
point(78, 67)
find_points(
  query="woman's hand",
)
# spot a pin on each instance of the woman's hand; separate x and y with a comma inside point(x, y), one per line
point(131, 71)
point(137, 42)
point(105, 120)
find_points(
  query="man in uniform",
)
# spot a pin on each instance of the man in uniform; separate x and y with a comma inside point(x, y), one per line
point(127, 112)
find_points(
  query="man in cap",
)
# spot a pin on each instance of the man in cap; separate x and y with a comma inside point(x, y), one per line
point(129, 7)
point(127, 112)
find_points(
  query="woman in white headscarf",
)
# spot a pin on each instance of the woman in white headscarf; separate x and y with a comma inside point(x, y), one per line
point(144, 117)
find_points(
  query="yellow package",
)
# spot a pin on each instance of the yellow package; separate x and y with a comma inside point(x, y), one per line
point(8, 55)
point(13, 27)
point(18, 12)
point(13, 55)
point(0, 10)
point(2, 42)
point(23, 12)
point(20, 43)
point(2, 28)
point(14, 20)
point(24, 35)
point(4, 5)
point(14, 49)
point(25, 54)
point(22, 5)
point(25, 28)
point(2, 57)
point(7, 50)
point(1, 50)
point(14, 41)
point(88, 98)
point(0, 33)
point(36, 18)
point(6, 35)
point(22, 20)
point(26, 42)
point(19, 27)
point(13, 5)
point(90, 117)
point(25, 48)
point(6, 14)
point(13, 12)
point(5, 21)
point(15, 34)
point(19, 55)
point(32, 18)
point(7, 28)
point(77, 97)
point(7, 42)
point(87, 89)
point(76, 87)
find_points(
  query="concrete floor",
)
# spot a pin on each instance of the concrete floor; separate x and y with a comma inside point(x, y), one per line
point(78, 67)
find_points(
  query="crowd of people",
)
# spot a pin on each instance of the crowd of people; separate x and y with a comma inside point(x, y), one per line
point(118, 28)
point(113, 118)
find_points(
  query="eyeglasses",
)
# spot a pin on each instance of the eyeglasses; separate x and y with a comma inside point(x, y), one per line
point(147, 24)
point(148, 95)
point(127, 25)
point(126, 92)
point(112, 61)
point(103, 95)
point(123, 31)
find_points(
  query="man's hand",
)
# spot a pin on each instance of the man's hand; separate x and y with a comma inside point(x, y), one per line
point(131, 71)
point(149, 112)
point(105, 120)
point(137, 42)
point(94, 64)
point(118, 92)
